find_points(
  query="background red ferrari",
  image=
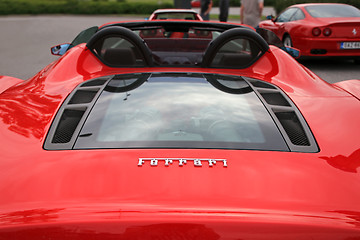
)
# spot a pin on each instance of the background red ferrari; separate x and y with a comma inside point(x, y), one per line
point(186, 14)
point(319, 29)
point(195, 3)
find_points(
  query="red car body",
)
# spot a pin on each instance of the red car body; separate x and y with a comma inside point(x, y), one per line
point(195, 3)
point(165, 14)
point(220, 193)
point(333, 31)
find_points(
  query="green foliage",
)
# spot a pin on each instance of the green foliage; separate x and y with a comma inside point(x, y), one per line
point(282, 4)
point(78, 7)
point(144, 7)
point(236, 3)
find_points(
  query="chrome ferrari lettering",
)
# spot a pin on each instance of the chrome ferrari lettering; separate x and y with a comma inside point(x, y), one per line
point(225, 162)
point(197, 162)
point(141, 162)
point(168, 162)
point(153, 162)
point(182, 162)
point(212, 162)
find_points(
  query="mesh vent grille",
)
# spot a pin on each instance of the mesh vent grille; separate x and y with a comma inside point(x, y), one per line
point(289, 119)
point(275, 99)
point(259, 84)
point(67, 125)
point(96, 82)
point(82, 96)
point(293, 128)
point(72, 114)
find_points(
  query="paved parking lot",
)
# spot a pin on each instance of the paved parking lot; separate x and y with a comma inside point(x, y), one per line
point(26, 41)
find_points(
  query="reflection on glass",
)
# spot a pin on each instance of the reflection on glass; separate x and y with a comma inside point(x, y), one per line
point(181, 112)
point(332, 10)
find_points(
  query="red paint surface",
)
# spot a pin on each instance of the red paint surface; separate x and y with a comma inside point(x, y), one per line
point(104, 194)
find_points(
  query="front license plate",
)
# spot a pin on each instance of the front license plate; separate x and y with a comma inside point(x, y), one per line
point(350, 45)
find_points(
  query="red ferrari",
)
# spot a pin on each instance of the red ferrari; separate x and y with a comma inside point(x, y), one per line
point(166, 14)
point(195, 3)
point(321, 29)
point(133, 134)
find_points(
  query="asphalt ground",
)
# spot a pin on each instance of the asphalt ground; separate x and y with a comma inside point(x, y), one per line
point(25, 43)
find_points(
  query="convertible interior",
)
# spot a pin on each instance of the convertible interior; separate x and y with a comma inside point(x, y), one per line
point(118, 46)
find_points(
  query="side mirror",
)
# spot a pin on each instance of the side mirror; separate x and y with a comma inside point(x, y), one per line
point(270, 17)
point(60, 50)
point(294, 52)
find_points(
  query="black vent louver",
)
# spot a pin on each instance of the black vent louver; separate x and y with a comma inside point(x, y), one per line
point(67, 125)
point(83, 96)
point(67, 122)
point(274, 98)
point(95, 82)
point(290, 121)
point(259, 84)
point(293, 128)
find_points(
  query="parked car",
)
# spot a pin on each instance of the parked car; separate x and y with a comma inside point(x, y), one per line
point(195, 3)
point(164, 14)
point(321, 29)
point(218, 134)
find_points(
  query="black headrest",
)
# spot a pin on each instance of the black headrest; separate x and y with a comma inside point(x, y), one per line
point(258, 45)
point(120, 32)
point(119, 57)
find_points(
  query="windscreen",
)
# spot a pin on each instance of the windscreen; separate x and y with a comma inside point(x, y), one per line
point(332, 10)
point(179, 111)
point(175, 15)
point(178, 46)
